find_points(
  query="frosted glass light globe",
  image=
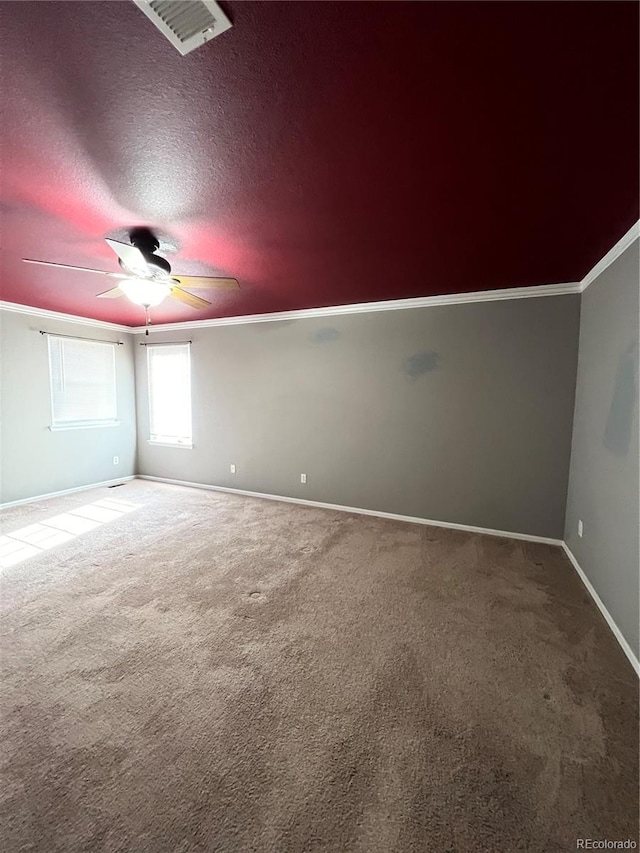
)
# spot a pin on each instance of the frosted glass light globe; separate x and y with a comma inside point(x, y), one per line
point(143, 292)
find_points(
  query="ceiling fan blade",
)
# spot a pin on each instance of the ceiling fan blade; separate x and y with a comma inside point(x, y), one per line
point(80, 269)
point(111, 294)
point(131, 257)
point(207, 282)
point(188, 298)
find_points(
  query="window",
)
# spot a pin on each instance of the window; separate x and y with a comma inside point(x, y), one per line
point(83, 383)
point(169, 370)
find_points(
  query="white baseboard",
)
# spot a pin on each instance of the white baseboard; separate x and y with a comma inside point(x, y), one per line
point(320, 505)
point(67, 491)
point(626, 648)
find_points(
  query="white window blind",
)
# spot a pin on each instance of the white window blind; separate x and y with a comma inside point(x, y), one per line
point(83, 382)
point(169, 370)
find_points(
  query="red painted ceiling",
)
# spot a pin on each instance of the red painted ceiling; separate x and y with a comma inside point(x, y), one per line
point(321, 153)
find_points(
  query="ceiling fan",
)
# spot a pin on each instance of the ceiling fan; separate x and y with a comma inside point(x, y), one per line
point(146, 278)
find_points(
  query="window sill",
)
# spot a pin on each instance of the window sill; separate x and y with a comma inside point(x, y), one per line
point(87, 425)
point(182, 445)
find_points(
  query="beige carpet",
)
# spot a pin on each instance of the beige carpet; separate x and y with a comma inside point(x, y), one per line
point(218, 673)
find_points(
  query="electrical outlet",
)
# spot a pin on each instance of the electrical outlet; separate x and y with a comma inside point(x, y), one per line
point(232, 468)
point(303, 478)
point(116, 460)
point(579, 528)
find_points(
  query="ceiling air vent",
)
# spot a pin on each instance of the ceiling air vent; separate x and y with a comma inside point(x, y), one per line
point(186, 23)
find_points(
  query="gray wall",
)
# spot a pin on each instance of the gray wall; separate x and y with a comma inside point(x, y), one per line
point(603, 490)
point(34, 460)
point(458, 413)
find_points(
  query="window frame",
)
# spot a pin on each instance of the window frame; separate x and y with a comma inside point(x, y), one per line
point(57, 425)
point(163, 440)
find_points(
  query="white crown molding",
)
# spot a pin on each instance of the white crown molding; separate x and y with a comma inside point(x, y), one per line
point(307, 313)
point(16, 308)
point(359, 307)
point(623, 243)
point(449, 525)
point(617, 633)
point(368, 307)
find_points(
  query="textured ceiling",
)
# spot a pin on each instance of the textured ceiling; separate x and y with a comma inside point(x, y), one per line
point(321, 153)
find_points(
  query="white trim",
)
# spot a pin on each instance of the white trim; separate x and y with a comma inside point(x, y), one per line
point(67, 491)
point(506, 534)
point(182, 444)
point(617, 633)
point(307, 313)
point(86, 425)
point(623, 243)
point(368, 307)
point(67, 318)
point(359, 307)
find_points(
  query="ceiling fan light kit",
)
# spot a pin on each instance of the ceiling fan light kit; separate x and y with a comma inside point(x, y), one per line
point(143, 292)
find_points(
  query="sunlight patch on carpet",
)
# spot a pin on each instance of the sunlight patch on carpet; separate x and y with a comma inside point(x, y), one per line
point(36, 538)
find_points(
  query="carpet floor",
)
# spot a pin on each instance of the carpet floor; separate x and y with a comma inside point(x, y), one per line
point(211, 672)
